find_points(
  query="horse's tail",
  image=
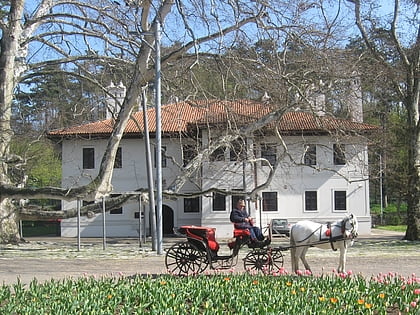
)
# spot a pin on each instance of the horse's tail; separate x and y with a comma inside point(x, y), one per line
point(293, 250)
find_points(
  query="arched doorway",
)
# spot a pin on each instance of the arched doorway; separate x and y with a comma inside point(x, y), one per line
point(167, 220)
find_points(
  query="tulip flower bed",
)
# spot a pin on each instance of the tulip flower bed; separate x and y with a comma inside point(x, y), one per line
point(281, 293)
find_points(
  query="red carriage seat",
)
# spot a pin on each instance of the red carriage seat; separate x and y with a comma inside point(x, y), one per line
point(241, 232)
point(202, 233)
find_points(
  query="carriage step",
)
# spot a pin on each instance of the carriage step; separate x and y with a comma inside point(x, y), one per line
point(259, 244)
point(222, 258)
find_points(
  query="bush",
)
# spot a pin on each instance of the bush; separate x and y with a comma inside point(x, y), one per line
point(391, 216)
point(391, 208)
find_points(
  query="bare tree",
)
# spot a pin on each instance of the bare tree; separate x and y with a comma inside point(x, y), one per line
point(394, 41)
point(70, 32)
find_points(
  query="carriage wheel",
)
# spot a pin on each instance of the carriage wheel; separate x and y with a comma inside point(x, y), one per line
point(277, 259)
point(185, 259)
point(263, 261)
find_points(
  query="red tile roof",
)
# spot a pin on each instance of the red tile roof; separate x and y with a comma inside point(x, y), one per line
point(179, 117)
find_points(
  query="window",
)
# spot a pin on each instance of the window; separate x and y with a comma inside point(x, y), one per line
point(340, 200)
point(339, 154)
point(192, 204)
point(237, 151)
point(136, 215)
point(87, 203)
point(235, 200)
point(269, 201)
point(118, 159)
point(163, 151)
point(269, 152)
point(88, 158)
point(310, 154)
point(116, 211)
point(218, 155)
point(219, 202)
point(311, 201)
point(189, 152)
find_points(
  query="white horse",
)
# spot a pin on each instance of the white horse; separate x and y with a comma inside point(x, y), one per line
point(338, 235)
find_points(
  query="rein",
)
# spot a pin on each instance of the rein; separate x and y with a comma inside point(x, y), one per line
point(311, 234)
point(331, 237)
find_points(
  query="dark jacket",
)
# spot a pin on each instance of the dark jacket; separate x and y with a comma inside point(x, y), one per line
point(238, 218)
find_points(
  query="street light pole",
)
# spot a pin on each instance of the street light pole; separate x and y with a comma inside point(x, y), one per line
point(381, 188)
point(158, 140)
point(150, 185)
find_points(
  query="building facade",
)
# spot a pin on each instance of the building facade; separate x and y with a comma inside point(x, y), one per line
point(303, 166)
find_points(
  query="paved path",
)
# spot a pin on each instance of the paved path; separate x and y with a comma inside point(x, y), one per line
point(58, 258)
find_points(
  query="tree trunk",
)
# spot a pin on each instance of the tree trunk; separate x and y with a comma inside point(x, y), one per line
point(413, 210)
point(413, 199)
point(407, 86)
point(9, 231)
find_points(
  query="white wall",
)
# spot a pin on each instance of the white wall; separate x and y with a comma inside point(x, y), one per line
point(290, 182)
point(131, 176)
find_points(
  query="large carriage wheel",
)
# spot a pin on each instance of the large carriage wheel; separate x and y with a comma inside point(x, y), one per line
point(185, 259)
point(264, 261)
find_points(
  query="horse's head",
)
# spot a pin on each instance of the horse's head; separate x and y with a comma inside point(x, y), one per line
point(350, 226)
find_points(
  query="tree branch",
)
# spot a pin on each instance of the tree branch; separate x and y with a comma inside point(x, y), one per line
point(401, 51)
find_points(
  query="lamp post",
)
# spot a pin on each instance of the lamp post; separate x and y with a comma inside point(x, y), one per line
point(152, 208)
point(156, 213)
point(158, 140)
point(78, 204)
point(381, 188)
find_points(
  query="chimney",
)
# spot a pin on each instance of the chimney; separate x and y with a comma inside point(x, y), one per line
point(354, 99)
point(318, 104)
point(316, 100)
point(114, 104)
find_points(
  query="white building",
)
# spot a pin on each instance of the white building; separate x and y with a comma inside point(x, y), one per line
point(321, 167)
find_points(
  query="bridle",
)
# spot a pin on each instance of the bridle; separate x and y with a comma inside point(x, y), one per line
point(353, 232)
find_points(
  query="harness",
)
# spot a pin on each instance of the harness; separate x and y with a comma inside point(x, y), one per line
point(331, 239)
point(334, 239)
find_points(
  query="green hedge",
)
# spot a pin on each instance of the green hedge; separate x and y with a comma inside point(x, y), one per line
point(391, 215)
point(391, 208)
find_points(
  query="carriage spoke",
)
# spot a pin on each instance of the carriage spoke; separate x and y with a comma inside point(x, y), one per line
point(277, 260)
point(264, 260)
point(256, 261)
point(185, 259)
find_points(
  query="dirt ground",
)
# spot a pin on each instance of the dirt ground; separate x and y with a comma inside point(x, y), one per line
point(58, 258)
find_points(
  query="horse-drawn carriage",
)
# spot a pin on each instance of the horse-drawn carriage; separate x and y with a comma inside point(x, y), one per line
point(201, 250)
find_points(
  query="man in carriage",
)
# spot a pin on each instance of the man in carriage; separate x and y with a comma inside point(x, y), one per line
point(241, 220)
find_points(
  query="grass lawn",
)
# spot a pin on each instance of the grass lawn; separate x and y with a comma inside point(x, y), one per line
point(396, 228)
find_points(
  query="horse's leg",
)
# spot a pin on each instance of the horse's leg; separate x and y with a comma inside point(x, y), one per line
point(294, 254)
point(293, 257)
point(303, 258)
point(297, 255)
point(342, 263)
